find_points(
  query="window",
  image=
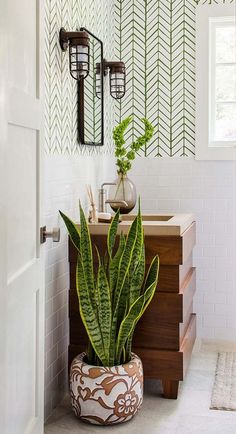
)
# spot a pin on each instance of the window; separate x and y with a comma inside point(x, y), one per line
point(222, 119)
point(216, 82)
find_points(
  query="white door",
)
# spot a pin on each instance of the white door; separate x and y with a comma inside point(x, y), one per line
point(22, 280)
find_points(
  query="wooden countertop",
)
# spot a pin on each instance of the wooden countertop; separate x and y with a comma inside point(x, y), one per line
point(153, 224)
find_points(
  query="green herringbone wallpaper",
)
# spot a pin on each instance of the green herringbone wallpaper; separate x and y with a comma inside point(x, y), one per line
point(156, 40)
point(60, 88)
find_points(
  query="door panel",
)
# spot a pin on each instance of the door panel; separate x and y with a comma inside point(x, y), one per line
point(23, 350)
point(22, 44)
point(22, 209)
point(24, 271)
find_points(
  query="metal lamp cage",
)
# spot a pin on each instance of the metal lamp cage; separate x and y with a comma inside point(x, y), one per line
point(79, 61)
point(78, 44)
point(117, 80)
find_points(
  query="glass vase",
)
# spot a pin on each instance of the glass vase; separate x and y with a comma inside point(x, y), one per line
point(122, 195)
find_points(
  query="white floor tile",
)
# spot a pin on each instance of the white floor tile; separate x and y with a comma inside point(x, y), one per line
point(190, 414)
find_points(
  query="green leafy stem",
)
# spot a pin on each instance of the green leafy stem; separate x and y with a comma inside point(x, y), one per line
point(125, 155)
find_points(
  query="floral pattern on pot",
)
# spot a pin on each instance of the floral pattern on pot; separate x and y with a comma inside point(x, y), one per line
point(106, 395)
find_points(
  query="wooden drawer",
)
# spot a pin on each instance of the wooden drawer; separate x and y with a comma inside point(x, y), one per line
point(171, 277)
point(171, 365)
point(172, 250)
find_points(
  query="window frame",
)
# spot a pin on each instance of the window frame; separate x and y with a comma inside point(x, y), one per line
point(206, 149)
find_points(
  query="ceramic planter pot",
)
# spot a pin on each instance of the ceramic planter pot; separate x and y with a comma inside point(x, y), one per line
point(106, 396)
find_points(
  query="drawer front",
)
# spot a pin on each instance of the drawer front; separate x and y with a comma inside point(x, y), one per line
point(164, 307)
point(172, 250)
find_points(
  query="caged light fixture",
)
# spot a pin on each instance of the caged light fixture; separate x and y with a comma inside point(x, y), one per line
point(117, 78)
point(78, 44)
point(81, 60)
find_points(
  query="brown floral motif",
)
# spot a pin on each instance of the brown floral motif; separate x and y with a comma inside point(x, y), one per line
point(131, 368)
point(134, 369)
point(109, 382)
point(84, 394)
point(96, 372)
point(126, 404)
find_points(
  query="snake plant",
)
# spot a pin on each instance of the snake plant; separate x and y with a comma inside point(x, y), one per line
point(114, 297)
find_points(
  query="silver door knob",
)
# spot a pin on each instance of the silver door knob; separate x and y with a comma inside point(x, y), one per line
point(54, 234)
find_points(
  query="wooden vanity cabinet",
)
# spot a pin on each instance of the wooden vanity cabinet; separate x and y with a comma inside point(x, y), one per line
point(165, 335)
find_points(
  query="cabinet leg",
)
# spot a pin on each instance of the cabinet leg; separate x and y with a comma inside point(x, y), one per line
point(170, 389)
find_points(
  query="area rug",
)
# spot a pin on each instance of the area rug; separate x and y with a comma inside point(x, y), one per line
point(224, 389)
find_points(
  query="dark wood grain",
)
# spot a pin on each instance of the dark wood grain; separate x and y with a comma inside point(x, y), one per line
point(188, 343)
point(170, 389)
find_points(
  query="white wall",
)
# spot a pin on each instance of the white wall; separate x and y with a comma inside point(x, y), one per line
point(208, 189)
point(65, 183)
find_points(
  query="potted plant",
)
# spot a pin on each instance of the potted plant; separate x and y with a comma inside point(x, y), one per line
point(106, 382)
point(123, 193)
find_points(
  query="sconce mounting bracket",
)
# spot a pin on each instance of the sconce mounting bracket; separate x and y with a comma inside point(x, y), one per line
point(63, 39)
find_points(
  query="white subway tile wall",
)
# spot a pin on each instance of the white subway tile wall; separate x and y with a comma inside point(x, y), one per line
point(65, 183)
point(207, 189)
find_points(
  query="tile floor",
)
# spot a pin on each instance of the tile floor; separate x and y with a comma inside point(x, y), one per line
point(190, 414)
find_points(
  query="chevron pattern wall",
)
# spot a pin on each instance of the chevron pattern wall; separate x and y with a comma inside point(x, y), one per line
point(60, 88)
point(156, 40)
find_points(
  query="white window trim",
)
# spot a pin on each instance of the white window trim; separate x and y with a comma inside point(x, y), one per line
point(203, 150)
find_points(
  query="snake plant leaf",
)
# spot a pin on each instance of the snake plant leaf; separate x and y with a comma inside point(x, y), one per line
point(118, 315)
point(137, 251)
point(111, 236)
point(135, 289)
point(88, 313)
point(72, 229)
point(137, 309)
point(87, 256)
point(153, 274)
point(153, 269)
point(137, 278)
point(128, 345)
point(104, 308)
point(91, 355)
point(114, 264)
point(123, 302)
point(125, 260)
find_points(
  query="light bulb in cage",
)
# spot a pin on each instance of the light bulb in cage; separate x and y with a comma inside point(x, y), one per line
point(78, 44)
point(117, 79)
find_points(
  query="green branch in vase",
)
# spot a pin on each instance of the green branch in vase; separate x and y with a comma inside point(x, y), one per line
point(124, 155)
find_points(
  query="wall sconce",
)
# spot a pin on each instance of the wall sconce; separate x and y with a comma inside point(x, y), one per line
point(91, 110)
point(117, 78)
point(78, 43)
